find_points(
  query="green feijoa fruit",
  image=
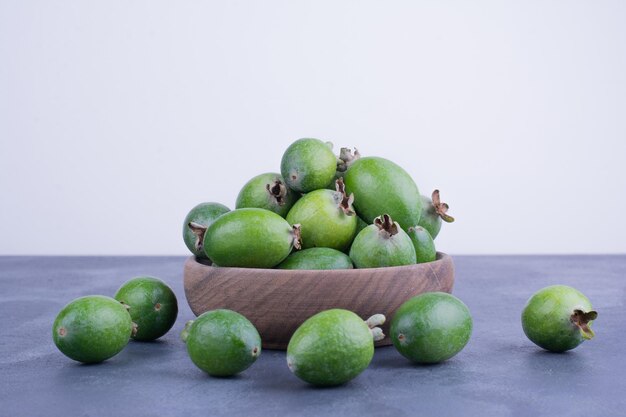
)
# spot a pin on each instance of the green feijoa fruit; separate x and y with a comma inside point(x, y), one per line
point(250, 238)
point(317, 258)
point(222, 342)
point(333, 347)
point(326, 218)
point(433, 212)
point(431, 327)
point(558, 318)
point(196, 222)
point(92, 329)
point(267, 191)
point(380, 186)
point(152, 306)
point(424, 246)
point(308, 165)
point(383, 243)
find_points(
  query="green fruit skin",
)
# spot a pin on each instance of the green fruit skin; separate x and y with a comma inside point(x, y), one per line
point(330, 348)
point(371, 249)
point(203, 214)
point(153, 306)
point(429, 219)
point(248, 238)
point(308, 165)
point(223, 343)
point(323, 223)
point(434, 327)
point(255, 194)
point(380, 186)
point(424, 245)
point(92, 329)
point(360, 225)
point(317, 258)
point(546, 317)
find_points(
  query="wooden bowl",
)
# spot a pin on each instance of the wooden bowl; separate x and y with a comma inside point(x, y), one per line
point(278, 301)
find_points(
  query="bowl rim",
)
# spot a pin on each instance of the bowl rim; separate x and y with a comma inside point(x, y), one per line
point(441, 258)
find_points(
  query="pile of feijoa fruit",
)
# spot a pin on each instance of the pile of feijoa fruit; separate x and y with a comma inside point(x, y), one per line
point(322, 211)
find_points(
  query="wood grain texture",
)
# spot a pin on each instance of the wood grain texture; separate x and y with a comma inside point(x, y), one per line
point(278, 301)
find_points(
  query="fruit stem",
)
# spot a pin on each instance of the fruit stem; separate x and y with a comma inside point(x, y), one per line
point(377, 334)
point(346, 158)
point(278, 191)
point(441, 208)
point(373, 323)
point(345, 202)
point(386, 225)
point(185, 333)
point(582, 320)
point(297, 237)
point(198, 230)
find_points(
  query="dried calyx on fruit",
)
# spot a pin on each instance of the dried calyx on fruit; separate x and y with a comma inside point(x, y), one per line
point(278, 191)
point(343, 200)
point(346, 158)
point(441, 208)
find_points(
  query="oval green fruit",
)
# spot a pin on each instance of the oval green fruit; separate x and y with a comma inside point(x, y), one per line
point(433, 212)
point(424, 246)
point(308, 165)
point(381, 244)
point(431, 327)
point(380, 186)
point(317, 258)
point(269, 192)
point(326, 218)
point(250, 238)
point(196, 222)
point(331, 348)
point(558, 318)
point(222, 342)
point(152, 306)
point(92, 329)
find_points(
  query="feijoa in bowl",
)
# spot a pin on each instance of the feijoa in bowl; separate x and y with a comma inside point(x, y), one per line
point(278, 301)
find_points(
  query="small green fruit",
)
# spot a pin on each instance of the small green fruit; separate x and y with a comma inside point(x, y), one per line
point(308, 165)
point(250, 238)
point(431, 327)
point(152, 306)
point(92, 329)
point(326, 218)
point(317, 258)
point(222, 342)
point(424, 246)
point(196, 222)
point(269, 192)
point(558, 318)
point(333, 347)
point(381, 244)
point(380, 186)
point(433, 212)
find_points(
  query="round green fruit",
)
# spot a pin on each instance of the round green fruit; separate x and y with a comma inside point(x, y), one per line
point(92, 329)
point(326, 218)
point(333, 347)
point(222, 342)
point(433, 212)
point(424, 246)
point(308, 165)
point(269, 192)
point(382, 244)
point(152, 306)
point(250, 238)
point(317, 258)
point(196, 222)
point(380, 186)
point(558, 318)
point(431, 327)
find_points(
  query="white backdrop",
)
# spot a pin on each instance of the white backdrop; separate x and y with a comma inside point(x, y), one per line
point(116, 117)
